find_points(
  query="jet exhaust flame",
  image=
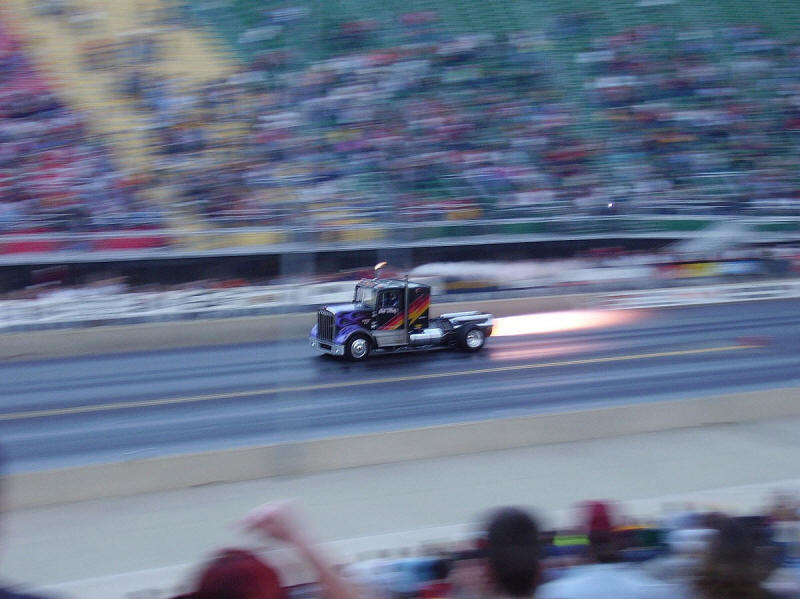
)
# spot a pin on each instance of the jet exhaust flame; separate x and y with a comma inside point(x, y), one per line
point(559, 322)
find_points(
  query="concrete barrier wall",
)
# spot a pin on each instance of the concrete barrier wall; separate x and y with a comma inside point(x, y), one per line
point(183, 471)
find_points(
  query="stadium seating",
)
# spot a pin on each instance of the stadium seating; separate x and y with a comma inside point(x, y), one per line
point(53, 174)
point(669, 68)
point(348, 114)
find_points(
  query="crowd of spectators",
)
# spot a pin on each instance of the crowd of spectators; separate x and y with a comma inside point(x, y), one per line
point(54, 175)
point(706, 115)
point(689, 554)
point(406, 120)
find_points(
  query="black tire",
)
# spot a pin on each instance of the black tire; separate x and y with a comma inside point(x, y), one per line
point(471, 338)
point(357, 348)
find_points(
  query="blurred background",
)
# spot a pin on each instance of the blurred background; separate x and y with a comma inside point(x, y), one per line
point(230, 133)
point(612, 179)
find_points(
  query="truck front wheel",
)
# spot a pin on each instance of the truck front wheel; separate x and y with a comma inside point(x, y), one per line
point(357, 348)
point(471, 338)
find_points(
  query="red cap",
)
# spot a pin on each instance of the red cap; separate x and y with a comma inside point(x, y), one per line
point(238, 574)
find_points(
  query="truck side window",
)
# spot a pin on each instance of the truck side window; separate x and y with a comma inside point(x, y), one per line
point(391, 299)
point(365, 295)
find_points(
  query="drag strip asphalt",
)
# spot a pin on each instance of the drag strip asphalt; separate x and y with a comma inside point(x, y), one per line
point(76, 411)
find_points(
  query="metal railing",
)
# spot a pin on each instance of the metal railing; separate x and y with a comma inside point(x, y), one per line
point(234, 238)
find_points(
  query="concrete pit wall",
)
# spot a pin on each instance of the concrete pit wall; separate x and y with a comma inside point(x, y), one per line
point(184, 471)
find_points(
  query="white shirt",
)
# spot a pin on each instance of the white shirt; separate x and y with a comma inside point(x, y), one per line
point(601, 581)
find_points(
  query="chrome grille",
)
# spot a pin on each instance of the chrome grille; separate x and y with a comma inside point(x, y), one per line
point(325, 326)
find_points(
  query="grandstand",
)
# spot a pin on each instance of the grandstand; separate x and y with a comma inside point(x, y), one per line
point(650, 63)
point(234, 113)
point(53, 175)
point(91, 52)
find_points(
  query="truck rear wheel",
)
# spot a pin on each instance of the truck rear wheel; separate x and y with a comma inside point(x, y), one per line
point(471, 338)
point(357, 348)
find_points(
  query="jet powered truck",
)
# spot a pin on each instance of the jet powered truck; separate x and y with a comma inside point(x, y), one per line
point(393, 315)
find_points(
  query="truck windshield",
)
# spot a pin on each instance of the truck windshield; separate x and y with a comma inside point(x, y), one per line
point(365, 295)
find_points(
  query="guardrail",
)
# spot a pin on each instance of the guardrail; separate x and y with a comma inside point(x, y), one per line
point(83, 308)
point(707, 294)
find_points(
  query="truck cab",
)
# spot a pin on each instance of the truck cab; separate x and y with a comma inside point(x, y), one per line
point(390, 314)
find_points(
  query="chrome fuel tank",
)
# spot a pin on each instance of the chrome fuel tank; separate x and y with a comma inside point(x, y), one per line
point(426, 337)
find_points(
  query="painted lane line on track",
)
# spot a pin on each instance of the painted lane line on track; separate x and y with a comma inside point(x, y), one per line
point(147, 403)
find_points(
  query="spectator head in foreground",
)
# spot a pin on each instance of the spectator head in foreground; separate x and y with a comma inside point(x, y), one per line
point(511, 546)
point(236, 574)
point(734, 564)
point(243, 573)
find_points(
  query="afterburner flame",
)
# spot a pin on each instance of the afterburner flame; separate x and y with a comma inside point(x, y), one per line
point(558, 322)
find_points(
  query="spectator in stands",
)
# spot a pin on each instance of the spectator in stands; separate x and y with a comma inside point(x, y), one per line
point(239, 574)
point(7, 593)
point(510, 550)
point(604, 576)
point(439, 587)
point(686, 548)
point(736, 564)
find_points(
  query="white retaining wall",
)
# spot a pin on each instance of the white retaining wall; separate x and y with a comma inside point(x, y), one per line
point(83, 308)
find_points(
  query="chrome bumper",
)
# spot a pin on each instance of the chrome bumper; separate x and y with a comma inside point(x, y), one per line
point(327, 348)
